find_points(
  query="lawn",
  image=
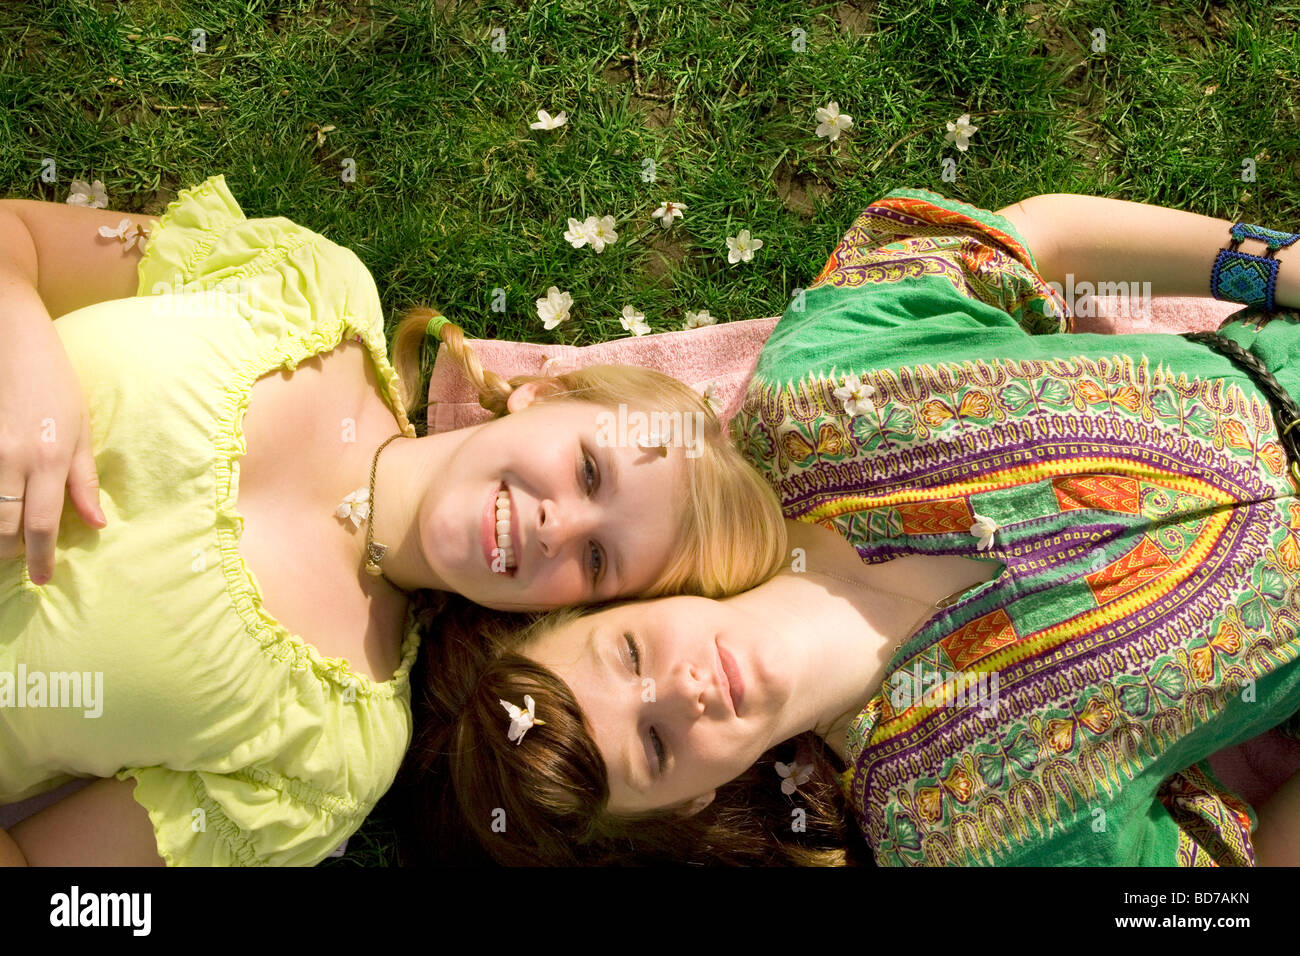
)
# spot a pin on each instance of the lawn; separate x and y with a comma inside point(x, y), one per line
point(402, 131)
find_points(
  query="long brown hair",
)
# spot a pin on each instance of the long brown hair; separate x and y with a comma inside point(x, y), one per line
point(732, 535)
point(467, 795)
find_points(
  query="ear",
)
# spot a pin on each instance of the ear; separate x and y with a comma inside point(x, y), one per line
point(523, 396)
point(696, 805)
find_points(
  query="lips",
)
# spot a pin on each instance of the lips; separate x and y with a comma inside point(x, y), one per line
point(735, 685)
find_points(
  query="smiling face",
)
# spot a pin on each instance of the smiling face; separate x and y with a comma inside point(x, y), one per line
point(683, 695)
point(568, 520)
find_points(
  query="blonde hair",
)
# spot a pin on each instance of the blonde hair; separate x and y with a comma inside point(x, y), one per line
point(732, 536)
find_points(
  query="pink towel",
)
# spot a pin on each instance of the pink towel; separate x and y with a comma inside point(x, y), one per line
point(725, 355)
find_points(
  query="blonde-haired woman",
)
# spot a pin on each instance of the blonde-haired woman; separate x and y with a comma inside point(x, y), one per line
point(246, 619)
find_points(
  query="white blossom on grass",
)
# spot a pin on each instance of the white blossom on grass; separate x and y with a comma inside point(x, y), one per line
point(742, 247)
point(667, 212)
point(580, 233)
point(602, 233)
point(554, 309)
point(634, 321)
point(960, 131)
point(84, 194)
point(546, 121)
point(832, 122)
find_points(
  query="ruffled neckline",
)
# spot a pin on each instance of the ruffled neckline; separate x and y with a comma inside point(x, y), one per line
point(293, 348)
point(275, 638)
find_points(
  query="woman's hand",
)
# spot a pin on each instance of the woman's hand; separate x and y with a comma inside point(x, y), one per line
point(44, 445)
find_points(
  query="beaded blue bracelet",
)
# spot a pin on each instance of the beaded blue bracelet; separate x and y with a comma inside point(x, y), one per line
point(1250, 280)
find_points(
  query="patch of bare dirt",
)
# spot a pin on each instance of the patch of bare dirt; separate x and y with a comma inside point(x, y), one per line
point(155, 204)
point(856, 18)
point(1042, 23)
point(655, 113)
point(799, 192)
point(617, 73)
point(667, 252)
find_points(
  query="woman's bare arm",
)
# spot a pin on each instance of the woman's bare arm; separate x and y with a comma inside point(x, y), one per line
point(58, 249)
point(100, 825)
point(11, 853)
point(1277, 838)
point(1113, 240)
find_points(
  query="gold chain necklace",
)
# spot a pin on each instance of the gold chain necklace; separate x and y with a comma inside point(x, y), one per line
point(375, 552)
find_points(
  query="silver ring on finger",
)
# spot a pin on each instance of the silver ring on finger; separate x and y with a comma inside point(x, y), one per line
point(10, 498)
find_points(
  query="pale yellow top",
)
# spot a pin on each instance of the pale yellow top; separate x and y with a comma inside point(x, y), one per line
point(248, 746)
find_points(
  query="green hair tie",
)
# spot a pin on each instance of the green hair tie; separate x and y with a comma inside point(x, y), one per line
point(435, 325)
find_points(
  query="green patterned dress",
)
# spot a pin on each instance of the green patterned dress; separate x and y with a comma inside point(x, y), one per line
point(1134, 494)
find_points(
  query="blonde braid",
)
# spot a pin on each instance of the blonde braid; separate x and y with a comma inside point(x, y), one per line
point(493, 390)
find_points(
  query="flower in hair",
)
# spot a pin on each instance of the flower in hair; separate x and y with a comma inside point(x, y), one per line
point(711, 398)
point(521, 719)
point(794, 774)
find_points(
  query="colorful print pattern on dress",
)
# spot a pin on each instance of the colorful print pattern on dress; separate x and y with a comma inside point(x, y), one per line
point(1150, 539)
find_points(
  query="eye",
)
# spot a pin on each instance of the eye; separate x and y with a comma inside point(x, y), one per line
point(659, 749)
point(590, 481)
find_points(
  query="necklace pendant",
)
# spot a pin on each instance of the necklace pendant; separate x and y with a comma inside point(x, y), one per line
point(375, 554)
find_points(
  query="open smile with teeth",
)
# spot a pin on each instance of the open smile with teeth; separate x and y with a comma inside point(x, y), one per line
point(504, 543)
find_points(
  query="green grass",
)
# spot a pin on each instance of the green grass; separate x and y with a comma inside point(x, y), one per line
point(455, 196)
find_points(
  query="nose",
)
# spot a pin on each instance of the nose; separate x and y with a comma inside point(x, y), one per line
point(558, 527)
point(684, 698)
